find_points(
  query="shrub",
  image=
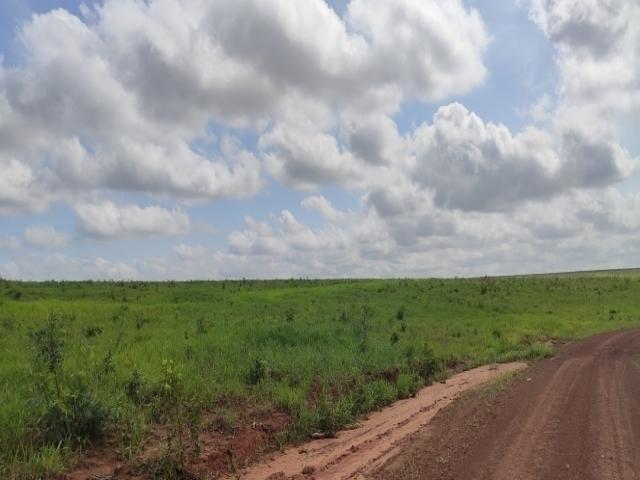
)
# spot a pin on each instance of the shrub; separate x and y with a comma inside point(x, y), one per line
point(76, 415)
point(92, 331)
point(333, 416)
point(48, 345)
point(201, 326)
point(407, 385)
point(135, 387)
point(423, 362)
point(70, 411)
point(257, 373)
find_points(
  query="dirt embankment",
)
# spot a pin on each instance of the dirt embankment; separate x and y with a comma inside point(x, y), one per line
point(358, 452)
point(574, 416)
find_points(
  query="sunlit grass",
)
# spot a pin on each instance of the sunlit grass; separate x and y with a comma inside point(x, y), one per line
point(335, 336)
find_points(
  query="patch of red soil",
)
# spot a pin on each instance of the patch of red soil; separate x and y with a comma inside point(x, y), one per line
point(219, 451)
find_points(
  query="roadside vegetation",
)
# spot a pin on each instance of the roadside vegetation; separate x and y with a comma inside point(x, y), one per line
point(158, 374)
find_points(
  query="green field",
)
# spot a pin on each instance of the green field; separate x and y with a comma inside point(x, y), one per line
point(112, 363)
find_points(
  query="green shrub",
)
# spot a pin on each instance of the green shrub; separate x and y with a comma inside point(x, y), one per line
point(407, 385)
point(333, 416)
point(69, 410)
point(76, 415)
point(135, 387)
point(257, 373)
point(92, 331)
point(422, 362)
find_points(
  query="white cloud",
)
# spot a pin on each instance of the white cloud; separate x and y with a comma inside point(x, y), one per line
point(323, 206)
point(45, 236)
point(20, 189)
point(114, 100)
point(108, 220)
point(9, 242)
point(305, 157)
point(598, 61)
point(473, 165)
point(187, 252)
point(113, 270)
point(58, 266)
point(123, 99)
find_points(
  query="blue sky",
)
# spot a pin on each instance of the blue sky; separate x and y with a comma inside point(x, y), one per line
point(459, 143)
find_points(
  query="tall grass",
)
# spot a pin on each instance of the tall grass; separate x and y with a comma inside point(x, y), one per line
point(322, 351)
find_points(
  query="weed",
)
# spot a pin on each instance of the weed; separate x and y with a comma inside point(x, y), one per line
point(201, 326)
point(75, 415)
point(135, 388)
point(257, 373)
point(290, 316)
point(92, 331)
point(332, 416)
point(48, 345)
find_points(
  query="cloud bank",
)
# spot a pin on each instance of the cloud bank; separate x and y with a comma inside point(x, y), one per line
point(156, 99)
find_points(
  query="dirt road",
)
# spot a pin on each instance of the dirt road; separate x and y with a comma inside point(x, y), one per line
point(360, 451)
point(575, 416)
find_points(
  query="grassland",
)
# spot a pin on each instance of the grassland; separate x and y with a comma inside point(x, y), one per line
point(110, 363)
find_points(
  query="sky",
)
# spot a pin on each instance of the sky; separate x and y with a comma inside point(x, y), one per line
point(208, 139)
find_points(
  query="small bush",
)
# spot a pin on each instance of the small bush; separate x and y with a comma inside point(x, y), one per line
point(201, 326)
point(92, 331)
point(407, 385)
point(400, 314)
point(333, 416)
point(48, 345)
point(76, 416)
point(135, 387)
point(424, 362)
point(257, 373)
point(70, 411)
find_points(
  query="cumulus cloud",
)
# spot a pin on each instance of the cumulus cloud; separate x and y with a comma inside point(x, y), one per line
point(598, 60)
point(305, 157)
point(108, 220)
point(124, 97)
point(323, 206)
point(114, 100)
point(473, 165)
point(45, 236)
point(592, 25)
point(21, 189)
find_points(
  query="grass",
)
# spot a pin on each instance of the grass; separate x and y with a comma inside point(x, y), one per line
point(135, 355)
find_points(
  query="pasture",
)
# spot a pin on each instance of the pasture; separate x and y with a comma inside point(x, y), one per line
point(158, 373)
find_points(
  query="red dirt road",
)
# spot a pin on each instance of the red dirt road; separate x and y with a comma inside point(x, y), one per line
point(357, 452)
point(575, 416)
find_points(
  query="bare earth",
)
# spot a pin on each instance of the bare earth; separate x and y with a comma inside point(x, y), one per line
point(359, 452)
point(575, 416)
